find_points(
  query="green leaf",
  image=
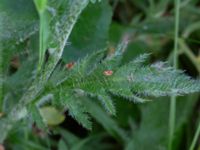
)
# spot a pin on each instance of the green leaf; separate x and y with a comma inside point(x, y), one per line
point(18, 26)
point(88, 143)
point(153, 130)
point(36, 116)
point(75, 107)
point(134, 81)
point(106, 121)
point(107, 103)
point(62, 145)
point(68, 137)
point(91, 142)
point(51, 115)
point(135, 47)
point(156, 80)
point(90, 33)
point(15, 28)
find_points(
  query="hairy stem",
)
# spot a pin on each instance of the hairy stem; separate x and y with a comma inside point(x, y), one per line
point(67, 22)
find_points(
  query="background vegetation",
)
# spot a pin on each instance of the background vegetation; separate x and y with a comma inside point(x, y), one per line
point(168, 30)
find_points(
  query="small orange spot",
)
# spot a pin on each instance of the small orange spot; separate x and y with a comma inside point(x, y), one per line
point(108, 72)
point(69, 65)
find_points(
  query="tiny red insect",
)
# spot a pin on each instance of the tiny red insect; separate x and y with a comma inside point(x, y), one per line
point(69, 65)
point(108, 72)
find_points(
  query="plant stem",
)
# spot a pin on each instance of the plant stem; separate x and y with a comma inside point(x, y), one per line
point(41, 6)
point(172, 113)
point(172, 119)
point(194, 141)
point(191, 29)
point(177, 5)
point(1, 80)
point(41, 41)
point(189, 54)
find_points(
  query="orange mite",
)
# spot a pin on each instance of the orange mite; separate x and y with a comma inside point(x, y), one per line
point(69, 65)
point(108, 72)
